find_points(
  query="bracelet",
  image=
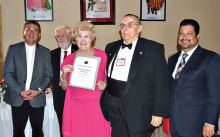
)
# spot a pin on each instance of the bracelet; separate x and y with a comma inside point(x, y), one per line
point(62, 79)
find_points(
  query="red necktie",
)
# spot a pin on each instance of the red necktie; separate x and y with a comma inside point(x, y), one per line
point(65, 55)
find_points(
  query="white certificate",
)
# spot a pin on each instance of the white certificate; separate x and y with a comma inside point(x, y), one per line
point(85, 72)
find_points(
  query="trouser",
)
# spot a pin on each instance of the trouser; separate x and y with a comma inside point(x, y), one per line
point(20, 117)
point(58, 99)
point(118, 120)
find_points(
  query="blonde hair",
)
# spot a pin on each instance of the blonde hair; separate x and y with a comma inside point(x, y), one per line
point(84, 26)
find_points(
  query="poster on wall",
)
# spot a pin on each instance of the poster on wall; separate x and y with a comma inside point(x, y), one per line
point(40, 10)
point(153, 10)
point(98, 12)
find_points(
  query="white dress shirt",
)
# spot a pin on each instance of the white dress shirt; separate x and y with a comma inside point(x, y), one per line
point(121, 72)
point(30, 56)
point(180, 58)
point(62, 55)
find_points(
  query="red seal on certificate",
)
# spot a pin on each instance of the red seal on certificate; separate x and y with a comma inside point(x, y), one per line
point(86, 62)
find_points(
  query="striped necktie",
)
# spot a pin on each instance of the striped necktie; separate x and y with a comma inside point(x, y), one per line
point(181, 65)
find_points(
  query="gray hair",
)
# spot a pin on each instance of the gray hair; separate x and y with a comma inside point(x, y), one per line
point(67, 28)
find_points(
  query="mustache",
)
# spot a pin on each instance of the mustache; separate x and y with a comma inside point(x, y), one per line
point(185, 40)
point(60, 41)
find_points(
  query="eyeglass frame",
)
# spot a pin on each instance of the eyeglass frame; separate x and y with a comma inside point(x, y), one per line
point(128, 25)
point(86, 38)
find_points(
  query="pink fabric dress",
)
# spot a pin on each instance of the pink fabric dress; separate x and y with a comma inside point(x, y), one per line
point(82, 116)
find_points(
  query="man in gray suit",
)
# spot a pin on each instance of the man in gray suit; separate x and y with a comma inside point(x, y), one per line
point(27, 72)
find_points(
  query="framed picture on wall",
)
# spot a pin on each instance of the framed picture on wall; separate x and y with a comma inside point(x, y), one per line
point(153, 10)
point(98, 12)
point(40, 10)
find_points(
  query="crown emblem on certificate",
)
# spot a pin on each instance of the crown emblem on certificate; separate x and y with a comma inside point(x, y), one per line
point(86, 62)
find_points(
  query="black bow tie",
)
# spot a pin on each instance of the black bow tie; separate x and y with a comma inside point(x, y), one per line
point(125, 45)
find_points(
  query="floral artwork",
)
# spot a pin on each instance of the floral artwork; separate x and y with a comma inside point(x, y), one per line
point(153, 10)
point(41, 10)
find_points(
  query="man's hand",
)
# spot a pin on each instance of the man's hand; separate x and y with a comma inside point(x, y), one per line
point(33, 94)
point(24, 94)
point(208, 130)
point(156, 121)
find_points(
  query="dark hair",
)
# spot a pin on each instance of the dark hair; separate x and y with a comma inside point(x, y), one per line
point(192, 22)
point(132, 15)
point(32, 22)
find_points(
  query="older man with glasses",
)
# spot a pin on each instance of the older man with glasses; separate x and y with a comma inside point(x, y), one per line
point(63, 35)
point(137, 93)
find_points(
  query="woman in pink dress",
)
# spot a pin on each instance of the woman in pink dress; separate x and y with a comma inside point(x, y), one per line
point(82, 116)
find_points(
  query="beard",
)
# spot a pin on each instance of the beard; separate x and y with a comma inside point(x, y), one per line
point(63, 45)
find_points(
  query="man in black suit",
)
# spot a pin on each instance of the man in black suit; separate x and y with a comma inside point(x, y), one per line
point(194, 80)
point(27, 72)
point(63, 35)
point(137, 86)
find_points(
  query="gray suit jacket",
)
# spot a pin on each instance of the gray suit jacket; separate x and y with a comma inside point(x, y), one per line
point(15, 73)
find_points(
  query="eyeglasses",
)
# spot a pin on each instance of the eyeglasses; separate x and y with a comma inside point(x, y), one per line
point(31, 29)
point(86, 38)
point(129, 25)
point(62, 35)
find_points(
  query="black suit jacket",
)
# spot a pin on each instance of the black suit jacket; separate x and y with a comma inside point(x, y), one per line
point(58, 92)
point(195, 95)
point(147, 89)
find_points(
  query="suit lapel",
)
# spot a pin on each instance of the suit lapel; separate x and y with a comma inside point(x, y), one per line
point(23, 58)
point(193, 60)
point(112, 53)
point(73, 48)
point(137, 56)
point(57, 61)
point(36, 58)
point(173, 64)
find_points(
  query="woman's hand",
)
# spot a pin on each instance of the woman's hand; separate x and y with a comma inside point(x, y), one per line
point(101, 85)
point(68, 68)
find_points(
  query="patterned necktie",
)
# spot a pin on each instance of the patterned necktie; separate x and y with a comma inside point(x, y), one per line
point(65, 55)
point(181, 65)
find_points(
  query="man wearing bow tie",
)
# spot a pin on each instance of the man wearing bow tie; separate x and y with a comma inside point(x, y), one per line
point(137, 93)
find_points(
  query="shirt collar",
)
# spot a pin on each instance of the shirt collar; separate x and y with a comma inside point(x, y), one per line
point(68, 50)
point(190, 52)
point(26, 45)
